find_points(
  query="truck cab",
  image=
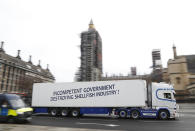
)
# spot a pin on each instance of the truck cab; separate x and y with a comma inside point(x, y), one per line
point(12, 107)
point(160, 104)
point(163, 100)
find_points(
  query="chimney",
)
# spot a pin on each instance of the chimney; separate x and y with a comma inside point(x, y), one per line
point(39, 65)
point(1, 49)
point(30, 57)
point(18, 56)
point(174, 52)
point(47, 67)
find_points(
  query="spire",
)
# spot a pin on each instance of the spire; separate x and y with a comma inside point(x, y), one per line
point(1, 49)
point(91, 22)
point(30, 57)
point(18, 56)
point(91, 25)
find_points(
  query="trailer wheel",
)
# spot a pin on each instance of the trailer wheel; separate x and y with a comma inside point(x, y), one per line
point(64, 112)
point(163, 115)
point(135, 114)
point(53, 112)
point(122, 114)
point(75, 113)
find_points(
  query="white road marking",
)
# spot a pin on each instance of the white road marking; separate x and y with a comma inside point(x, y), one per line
point(110, 125)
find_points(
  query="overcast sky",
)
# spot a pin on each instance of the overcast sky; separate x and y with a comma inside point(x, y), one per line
point(130, 29)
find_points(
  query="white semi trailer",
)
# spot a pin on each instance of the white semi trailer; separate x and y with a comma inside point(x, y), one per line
point(125, 98)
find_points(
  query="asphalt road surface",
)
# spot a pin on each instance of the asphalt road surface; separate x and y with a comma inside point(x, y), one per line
point(186, 122)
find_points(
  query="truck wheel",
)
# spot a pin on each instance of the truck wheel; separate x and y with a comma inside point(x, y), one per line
point(135, 114)
point(122, 114)
point(163, 115)
point(64, 112)
point(53, 112)
point(75, 113)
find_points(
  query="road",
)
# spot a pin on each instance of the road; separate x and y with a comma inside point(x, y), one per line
point(186, 122)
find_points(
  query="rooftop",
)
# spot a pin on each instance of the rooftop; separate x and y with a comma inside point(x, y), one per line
point(18, 62)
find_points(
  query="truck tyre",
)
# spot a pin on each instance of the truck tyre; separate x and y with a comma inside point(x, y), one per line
point(64, 112)
point(53, 112)
point(122, 114)
point(75, 113)
point(135, 114)
point(163, 115)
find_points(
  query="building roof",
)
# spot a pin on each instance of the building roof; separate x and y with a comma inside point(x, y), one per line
point(14, 61)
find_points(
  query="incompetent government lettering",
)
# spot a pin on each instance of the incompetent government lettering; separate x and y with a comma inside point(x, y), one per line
point(81, 93)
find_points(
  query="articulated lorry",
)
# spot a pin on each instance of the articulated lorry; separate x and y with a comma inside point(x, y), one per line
point(124, 98)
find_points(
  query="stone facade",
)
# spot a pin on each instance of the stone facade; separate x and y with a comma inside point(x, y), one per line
point(165, 75)
point(18, 76)
point(181, 73)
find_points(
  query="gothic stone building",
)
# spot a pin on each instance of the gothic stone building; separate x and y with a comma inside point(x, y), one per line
point(18, 76)
point(181, 73)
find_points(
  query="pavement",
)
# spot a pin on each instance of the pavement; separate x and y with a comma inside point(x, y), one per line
point(47, 123)
point(16, 127)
